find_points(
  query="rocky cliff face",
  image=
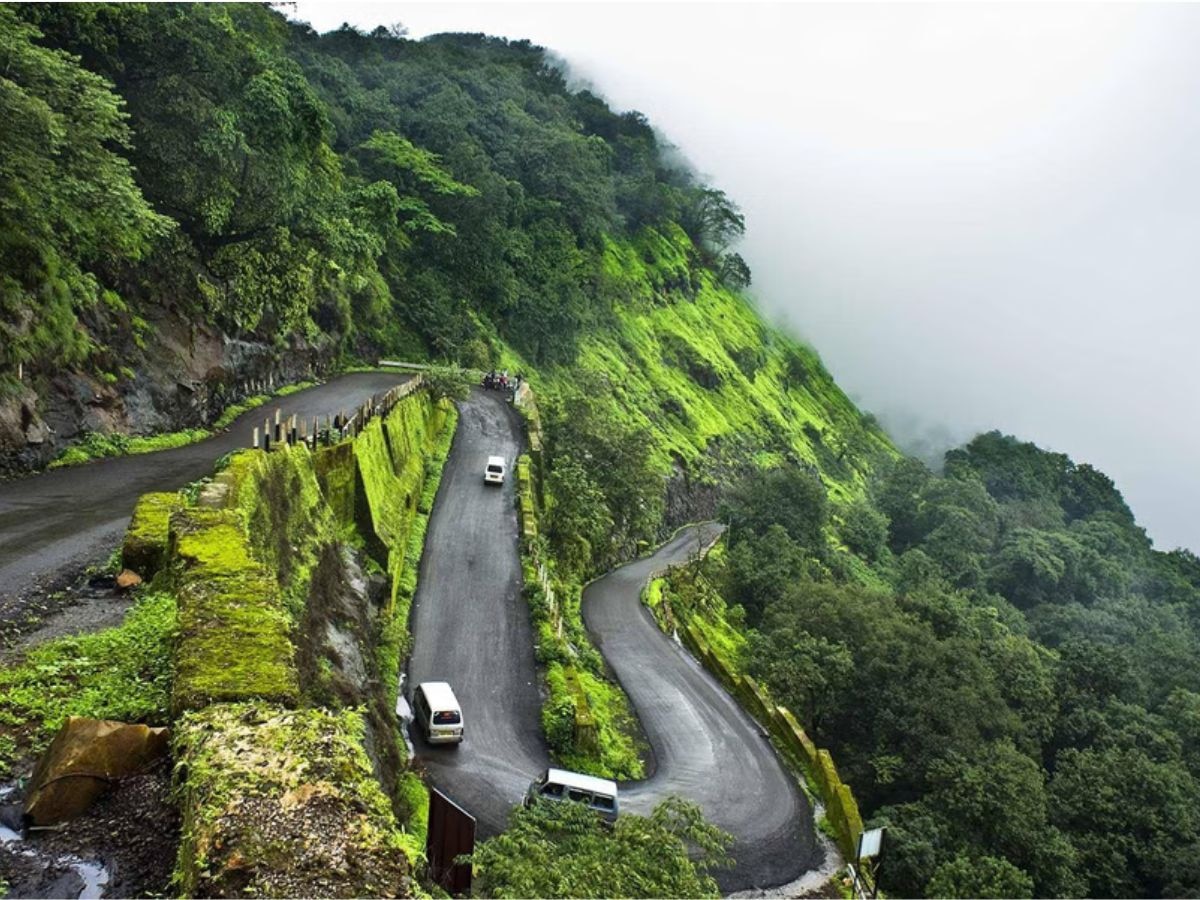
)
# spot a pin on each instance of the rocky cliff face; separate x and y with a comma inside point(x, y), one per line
point(183, 377)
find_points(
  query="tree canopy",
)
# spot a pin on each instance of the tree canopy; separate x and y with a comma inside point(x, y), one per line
point(378, 194)
point(564, 850)
point(1002, 665)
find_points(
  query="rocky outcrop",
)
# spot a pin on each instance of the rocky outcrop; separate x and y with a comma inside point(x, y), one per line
point(86, 756)
point(183, 376)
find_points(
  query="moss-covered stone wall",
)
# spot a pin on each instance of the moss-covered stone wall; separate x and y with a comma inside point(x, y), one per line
point(287, 790)
point(145, 547)
point(234, 633)
point(283, 803)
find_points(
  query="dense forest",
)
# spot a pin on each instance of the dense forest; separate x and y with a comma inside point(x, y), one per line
point(1009, 682)
point(379, 193)
point(1001, 663)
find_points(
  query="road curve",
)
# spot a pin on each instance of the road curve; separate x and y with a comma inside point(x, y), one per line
point(55, 523)
point(706, 748)
point(471, 627)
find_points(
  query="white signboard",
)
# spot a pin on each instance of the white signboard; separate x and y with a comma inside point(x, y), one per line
point(869, 843)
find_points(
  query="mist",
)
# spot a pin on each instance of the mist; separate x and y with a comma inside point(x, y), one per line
point(981, 216)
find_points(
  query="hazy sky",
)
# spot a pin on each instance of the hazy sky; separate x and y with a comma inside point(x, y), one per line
point(982, 216)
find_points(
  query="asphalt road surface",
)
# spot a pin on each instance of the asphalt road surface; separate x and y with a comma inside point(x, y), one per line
point(55, 523)
point(706, 747)
point(471, 628)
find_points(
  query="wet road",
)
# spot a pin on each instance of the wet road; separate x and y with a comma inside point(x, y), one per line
point(55, 523)
point(706, 747)
point(471, 627)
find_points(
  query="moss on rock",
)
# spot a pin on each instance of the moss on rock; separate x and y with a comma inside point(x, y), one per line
point(233, 631)
point(283, 803)
point(145, 547)
point(288, 519)
point(335, 473)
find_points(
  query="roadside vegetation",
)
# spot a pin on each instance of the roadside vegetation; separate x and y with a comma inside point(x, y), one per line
point(564, 850)
point(254, 402)
point(96, 445)
point(121, 673)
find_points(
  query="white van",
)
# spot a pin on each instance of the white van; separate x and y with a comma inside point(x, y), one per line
point(599, 794)
point(494, 472)
point(437, 713)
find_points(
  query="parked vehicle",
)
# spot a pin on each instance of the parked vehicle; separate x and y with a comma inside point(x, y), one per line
point(599, 794)
point(437, 713)
point(493, 473)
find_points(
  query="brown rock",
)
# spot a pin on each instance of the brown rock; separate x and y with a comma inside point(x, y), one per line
point(84, 757)
point(128, 578)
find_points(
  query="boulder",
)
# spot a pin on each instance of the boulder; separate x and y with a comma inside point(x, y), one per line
point(128, 579)
point(84, 757)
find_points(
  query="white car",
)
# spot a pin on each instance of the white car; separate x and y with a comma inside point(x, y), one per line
point(599, 794)
point(437, 713)
point(493, 473)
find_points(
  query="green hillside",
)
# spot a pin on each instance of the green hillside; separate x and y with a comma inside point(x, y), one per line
point(350, 196)
point(204, 202)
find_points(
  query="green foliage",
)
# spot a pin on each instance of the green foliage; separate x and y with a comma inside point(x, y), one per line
point(564, 850)
point(984, 877)
point(807, 669)
point(581, 525)
point(69, 209)
point(97, 446)
point(688, 597)
point(558, 714)
point(761, 567)
point(864, 529)
point(617, 753)
point(447, 382)
point(359, 186)
point(605, 495)
point(1012, 693)
point(788, 497)
point(233, 412)
point(121, 673)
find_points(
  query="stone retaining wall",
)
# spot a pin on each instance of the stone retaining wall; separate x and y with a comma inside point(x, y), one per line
point(277, 799)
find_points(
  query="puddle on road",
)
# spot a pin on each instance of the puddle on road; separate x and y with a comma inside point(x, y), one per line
point(91, 873)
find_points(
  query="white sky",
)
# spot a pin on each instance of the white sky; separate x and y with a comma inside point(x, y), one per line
point(982, 216)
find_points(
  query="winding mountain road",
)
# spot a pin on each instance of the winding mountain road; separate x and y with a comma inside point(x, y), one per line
point(471, 627)
point(57, 522)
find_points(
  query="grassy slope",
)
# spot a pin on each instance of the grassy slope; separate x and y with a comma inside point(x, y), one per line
point(759, 397)
point(669, 315)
